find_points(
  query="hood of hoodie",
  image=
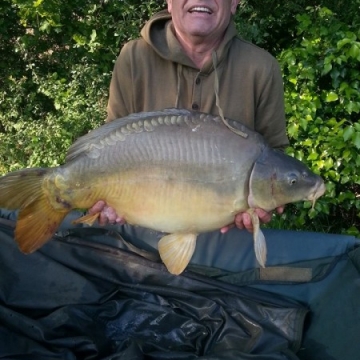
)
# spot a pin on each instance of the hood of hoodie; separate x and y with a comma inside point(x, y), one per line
point(158, 33)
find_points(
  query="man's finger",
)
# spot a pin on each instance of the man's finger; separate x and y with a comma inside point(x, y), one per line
point(280, 209)
point(239, 221)
point(247, 222)
point(226, 228)
point(97, 207)
point(110, 213)
point(263, 215)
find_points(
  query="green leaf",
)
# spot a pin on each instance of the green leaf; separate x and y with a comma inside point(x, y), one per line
point(327, 68)
point(313, 156)
point(354, 51)
point(346, 196)
point(331, 96)
point(293, 79)
point(38, 3)
point(293, 130)
point(93, 35)
point(357, 140)
point(343, 42)
point(352, 106)
point(348, 132)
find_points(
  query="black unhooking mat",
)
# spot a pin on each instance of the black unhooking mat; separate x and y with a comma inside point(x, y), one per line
point(101, 293)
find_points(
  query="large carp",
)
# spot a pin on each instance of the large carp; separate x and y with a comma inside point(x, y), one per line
point(175, 171)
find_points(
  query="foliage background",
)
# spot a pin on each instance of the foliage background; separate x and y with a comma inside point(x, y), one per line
point(57, 57)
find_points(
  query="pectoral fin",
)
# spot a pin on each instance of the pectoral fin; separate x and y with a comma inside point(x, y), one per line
point(176, 251)
point(87, 219)
point(259, 239)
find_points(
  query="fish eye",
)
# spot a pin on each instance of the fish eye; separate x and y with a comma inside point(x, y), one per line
point(292, 179)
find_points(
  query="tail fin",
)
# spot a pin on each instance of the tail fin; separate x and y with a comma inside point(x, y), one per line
point(37, 220)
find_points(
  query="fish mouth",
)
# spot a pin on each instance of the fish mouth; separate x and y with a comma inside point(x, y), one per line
point(318, 191)
point(200, 9)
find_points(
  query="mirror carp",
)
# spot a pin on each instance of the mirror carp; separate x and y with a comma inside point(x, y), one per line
point(176, 171)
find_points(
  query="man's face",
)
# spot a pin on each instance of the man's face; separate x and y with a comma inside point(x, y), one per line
point(201, 18)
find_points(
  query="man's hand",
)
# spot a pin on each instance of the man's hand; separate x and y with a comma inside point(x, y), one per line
point(243, 220)
point(107, 214)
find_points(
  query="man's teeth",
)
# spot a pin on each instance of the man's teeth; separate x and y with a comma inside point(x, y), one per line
point(200, 9)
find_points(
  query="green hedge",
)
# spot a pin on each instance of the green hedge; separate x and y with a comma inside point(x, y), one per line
point(322, 90)
point(56, 69)
point(57, 59)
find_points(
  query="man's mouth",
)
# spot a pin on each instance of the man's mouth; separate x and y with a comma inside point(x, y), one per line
point(200, 9)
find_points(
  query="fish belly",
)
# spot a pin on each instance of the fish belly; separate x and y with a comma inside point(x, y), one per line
point(171, 205)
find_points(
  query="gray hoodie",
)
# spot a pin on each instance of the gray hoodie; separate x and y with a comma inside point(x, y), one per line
point(153, 73)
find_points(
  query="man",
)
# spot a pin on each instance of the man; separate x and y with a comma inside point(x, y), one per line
point(183, 54)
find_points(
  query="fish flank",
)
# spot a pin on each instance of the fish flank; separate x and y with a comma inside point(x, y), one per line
point(148, 126)
point(124, 130)
point(110, 141)
point(120, 136)
point(137, 127)
point(170, 120)
point(65, 204)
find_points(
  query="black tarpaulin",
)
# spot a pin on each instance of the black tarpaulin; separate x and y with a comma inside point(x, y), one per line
point(85, 295)
point(77, 299)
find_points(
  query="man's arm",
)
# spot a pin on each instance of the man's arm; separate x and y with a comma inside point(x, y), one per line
point(120, 91)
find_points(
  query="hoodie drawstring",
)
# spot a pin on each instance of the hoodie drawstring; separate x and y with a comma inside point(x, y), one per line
point(216, 90)
point(178, 85)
